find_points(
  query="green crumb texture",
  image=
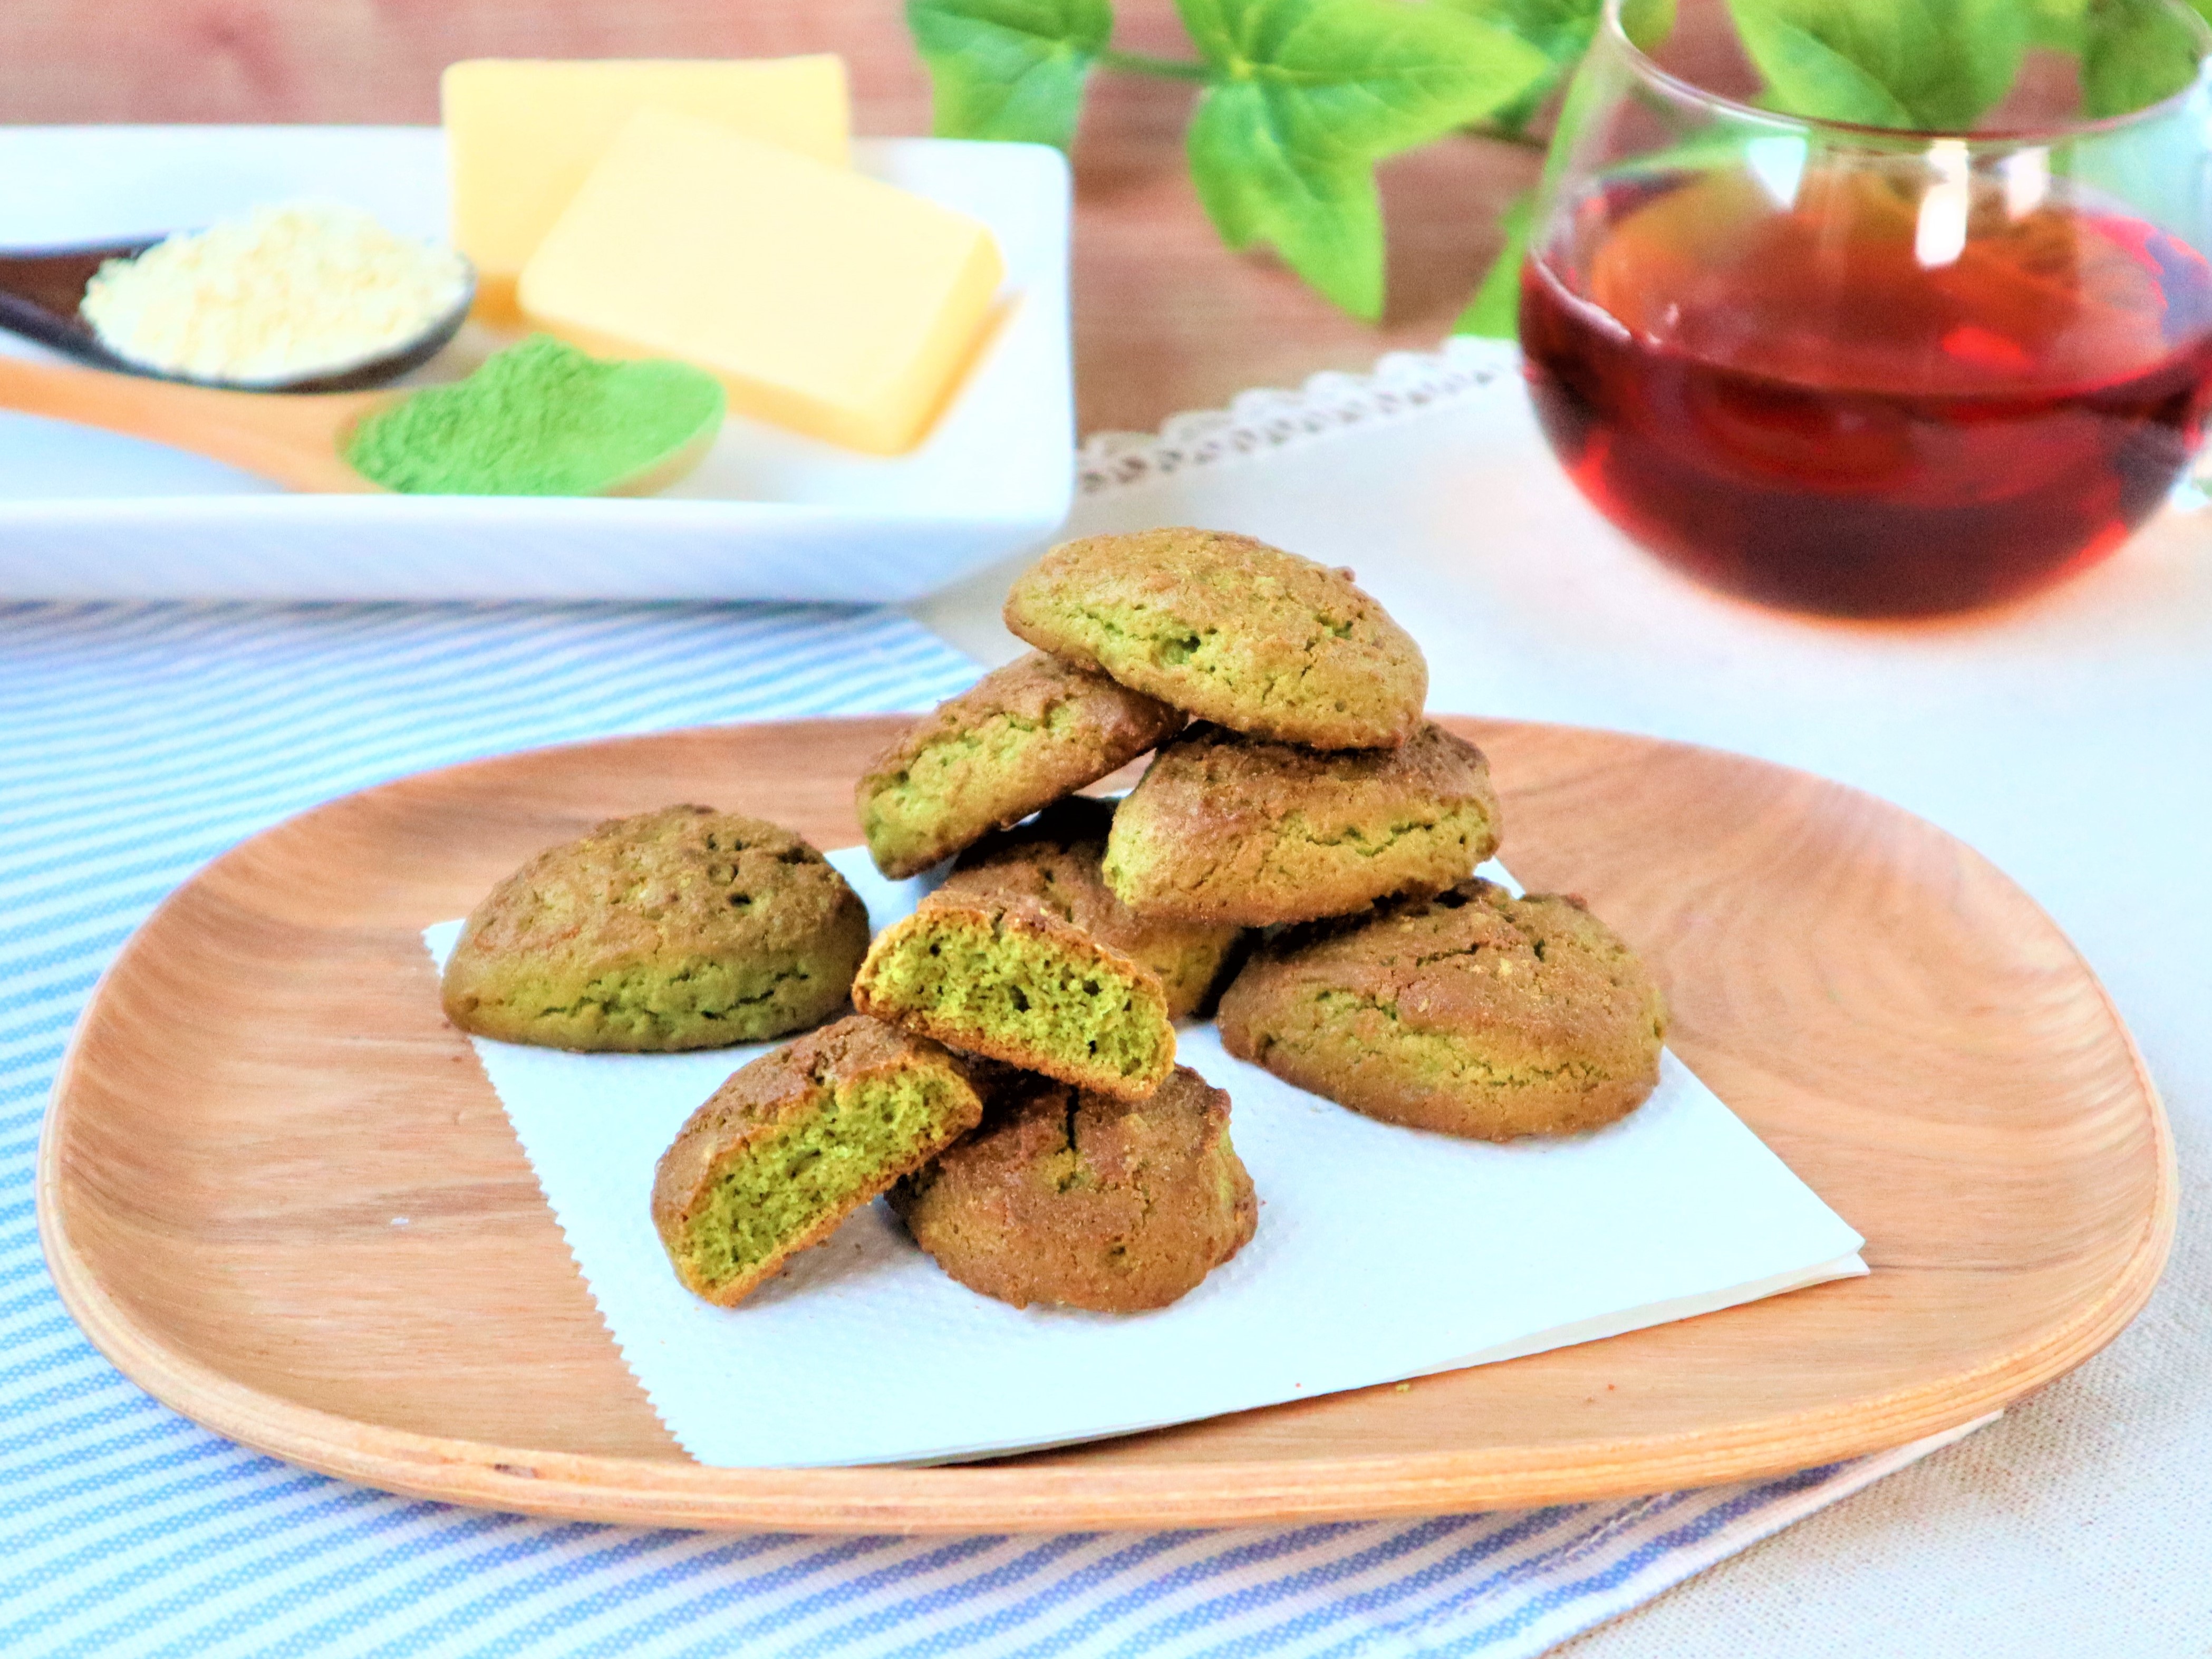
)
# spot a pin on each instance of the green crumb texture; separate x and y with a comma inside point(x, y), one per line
point(1072, 1197)
point(685, 928)
point(1228, 629)
point(1053, 860)
point(795, 1142)
point(1235, 829)
point(1013, 982)
point(1023, 737)
point(541, 418)
point(1472, 1013)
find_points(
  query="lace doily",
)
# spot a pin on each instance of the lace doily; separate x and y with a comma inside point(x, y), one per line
point(1403, 383)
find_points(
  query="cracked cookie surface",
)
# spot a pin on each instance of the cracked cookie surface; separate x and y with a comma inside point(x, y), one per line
point(685, 928)
point(1053, 860)
point(1067, 1196)
point(1229, 629)
point(1021, 737)
point(1227, 828)
point(1472, 1012)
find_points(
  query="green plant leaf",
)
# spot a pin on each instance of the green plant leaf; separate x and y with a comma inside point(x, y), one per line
point(1322, 216)
point(2134, 53)
point(2056, 24)
point(1926, 63)
point(1009, 69)
point(1495, 311)
point(1307, 95)
point(1648, 22)
point(1982, 42)
point(1805, 76)
point(1560, 29)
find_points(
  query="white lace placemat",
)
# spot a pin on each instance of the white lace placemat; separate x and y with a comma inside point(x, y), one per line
point(1269, 418)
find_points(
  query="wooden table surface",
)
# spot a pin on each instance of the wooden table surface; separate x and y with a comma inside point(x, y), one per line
point(1165, 317)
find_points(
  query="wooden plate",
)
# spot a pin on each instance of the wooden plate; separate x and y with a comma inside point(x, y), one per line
point(264, 1082)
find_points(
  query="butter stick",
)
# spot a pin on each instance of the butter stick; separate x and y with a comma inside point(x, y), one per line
point(827, 301)
point(523, 134)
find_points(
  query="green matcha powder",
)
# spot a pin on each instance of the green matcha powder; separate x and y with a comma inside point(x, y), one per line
point(540, 418)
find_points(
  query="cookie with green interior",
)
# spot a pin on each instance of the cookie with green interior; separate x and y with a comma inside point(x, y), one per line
point(1471, 1012)
point(1053, 860)
point(1069, 1196)
point(795, 1142)
point(1011, 980)
point(1226, 828)
point(1230, 630)
point(685, 928)
point(1023, 736)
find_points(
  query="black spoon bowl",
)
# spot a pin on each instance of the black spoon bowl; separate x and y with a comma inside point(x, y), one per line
point(42, 296)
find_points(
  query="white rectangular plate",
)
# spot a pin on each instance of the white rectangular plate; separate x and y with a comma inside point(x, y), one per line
point(769, 514)
point(1381, 1252)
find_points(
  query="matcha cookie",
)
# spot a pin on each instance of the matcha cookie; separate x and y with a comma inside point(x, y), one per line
point(1473, 1013)
point(685, 928)
point(1225, 829)
point(1053, 861)
point(1022, 737)
point(1069, 1196)
point(1231, 630)
point(795, 1142)
point(1008, 979)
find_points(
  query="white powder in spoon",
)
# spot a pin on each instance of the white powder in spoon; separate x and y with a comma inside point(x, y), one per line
point(286, 292)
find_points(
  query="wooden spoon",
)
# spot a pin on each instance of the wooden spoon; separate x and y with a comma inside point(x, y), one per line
point(297, 441)
point(42, 293)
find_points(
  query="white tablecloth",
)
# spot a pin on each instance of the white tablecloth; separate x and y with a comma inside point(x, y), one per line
point(2070, 739)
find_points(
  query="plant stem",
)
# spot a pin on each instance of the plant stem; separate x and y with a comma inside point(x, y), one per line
point(1500, 135)
point(1143, 63)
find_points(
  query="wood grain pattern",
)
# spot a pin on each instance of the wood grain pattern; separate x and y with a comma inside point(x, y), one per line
point(294, 441)
point(1166, 319)
point(264, 1082)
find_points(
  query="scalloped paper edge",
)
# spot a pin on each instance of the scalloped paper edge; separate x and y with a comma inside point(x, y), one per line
point(1270, 419)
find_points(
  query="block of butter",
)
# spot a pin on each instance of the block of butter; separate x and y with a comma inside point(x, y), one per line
point(522, 135)
point(828, 301)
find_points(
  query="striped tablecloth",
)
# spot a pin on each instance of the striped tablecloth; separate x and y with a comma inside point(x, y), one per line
point(138, 742)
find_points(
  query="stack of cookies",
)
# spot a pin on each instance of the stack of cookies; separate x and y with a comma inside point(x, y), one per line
point(1300, 816)
point(1303, 834)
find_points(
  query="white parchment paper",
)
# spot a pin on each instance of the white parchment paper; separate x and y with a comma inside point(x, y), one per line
point(1382, 1253)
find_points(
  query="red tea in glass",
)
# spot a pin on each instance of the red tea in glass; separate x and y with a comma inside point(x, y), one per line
point(1844, 401)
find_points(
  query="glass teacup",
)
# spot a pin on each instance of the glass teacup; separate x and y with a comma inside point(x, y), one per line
point(1863, 371)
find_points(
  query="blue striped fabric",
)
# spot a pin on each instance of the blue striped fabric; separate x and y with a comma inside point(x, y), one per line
point(141, 741)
